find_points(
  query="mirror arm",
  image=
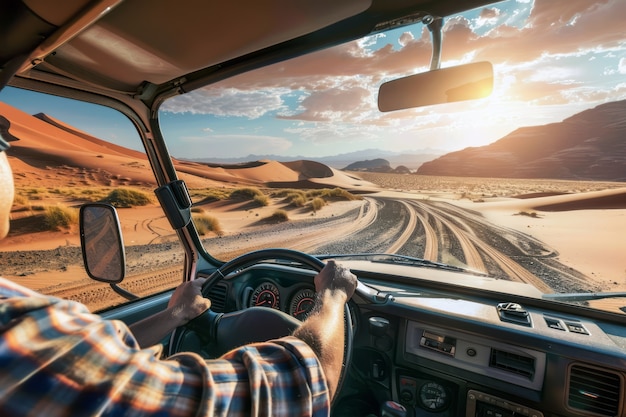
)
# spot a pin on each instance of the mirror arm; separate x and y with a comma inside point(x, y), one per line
point(176, 203)
point(121, 291)
point(435, 25)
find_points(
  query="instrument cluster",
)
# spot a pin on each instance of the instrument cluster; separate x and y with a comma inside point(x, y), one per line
point(297, 302)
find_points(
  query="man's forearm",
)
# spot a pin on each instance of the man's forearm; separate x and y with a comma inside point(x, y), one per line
point(153, 329)
point(324, 332)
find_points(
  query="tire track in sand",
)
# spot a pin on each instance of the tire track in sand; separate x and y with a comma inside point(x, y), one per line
point(475, 248)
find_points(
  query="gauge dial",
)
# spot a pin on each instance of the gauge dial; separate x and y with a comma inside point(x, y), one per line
point(433, 396)
point(302, 304)
point(266, 295)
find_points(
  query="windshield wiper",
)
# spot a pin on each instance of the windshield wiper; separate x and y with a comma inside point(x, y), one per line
point(400, 260)
point(583, 296)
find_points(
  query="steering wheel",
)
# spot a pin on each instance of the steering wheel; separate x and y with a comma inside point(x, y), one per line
point(217, 333)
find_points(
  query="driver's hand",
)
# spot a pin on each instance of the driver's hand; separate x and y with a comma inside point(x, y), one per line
point(335, 277)
point(187, 301)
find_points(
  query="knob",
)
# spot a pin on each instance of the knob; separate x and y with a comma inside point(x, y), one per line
point(378, 326)
point(392, 409)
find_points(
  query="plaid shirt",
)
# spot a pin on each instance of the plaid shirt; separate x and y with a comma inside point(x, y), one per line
point(57, 359)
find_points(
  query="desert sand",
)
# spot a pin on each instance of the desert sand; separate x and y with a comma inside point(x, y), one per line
point(583, 221)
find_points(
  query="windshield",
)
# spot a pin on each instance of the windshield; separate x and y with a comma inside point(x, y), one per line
point(525, 185)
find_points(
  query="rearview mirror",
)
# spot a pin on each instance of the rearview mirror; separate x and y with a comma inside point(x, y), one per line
point(101, 242)
point(447, 85)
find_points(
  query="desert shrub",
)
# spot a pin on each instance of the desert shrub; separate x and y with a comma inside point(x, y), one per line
point(208, 194)
point(90, 191)
point(250, 193)
point(81, 193)
point(317, 203)
point(261, 200)
point(59, 217)
point(246, 193)
point(128, 197)
point(20, 200)
point(31, 193)
point(293, 196)
point(279, 216)
point(296, 200)
point(533, 214)
point(206, 223)
point(334, 193)
point(284, 192)
point(36, 190)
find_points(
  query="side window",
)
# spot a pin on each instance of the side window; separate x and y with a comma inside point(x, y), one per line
point(66, 153)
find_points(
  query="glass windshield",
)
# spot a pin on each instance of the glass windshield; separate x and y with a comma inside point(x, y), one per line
point(65, 153)
point(525, 185)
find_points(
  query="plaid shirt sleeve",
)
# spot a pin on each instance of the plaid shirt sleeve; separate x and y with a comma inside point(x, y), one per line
point(57, 359)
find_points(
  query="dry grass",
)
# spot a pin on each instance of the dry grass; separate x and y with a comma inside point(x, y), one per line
point(250, 193)
point(206, 223)
point(209, 194)
point(279, 216)
point(332, 194)
point(317, 203)
point(87, 194)
point(60, 217)
point(315, 199)
point(533, 214)
point(128, 197)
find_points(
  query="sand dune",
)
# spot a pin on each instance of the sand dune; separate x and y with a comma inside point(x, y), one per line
point(586, 229)
point(592, 200)
point(45, 150)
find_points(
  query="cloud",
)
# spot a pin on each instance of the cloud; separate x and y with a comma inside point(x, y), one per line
point(554, 27)
point(226, 102)
point(333, 104)
point(531, 49)
point(405, 38)
point(488, 17)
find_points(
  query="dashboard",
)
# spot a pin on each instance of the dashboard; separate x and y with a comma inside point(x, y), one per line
point(285, 288)
point(440, 351)
point(296, 300)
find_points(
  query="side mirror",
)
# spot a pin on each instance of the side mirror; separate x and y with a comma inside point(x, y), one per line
point(101, 243)
point(447, 85)
point(102, 246)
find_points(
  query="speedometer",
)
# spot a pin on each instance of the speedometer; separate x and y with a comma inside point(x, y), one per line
point(433, 396)
point(266, 295)
point(302, 304)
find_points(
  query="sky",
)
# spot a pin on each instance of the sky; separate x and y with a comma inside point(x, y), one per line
point(551, 59)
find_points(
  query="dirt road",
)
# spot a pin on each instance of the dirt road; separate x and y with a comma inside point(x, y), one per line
point(432, 230)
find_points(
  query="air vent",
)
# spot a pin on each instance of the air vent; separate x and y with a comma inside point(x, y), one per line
point(594, 390)
point(217, 295)
point(512, 362)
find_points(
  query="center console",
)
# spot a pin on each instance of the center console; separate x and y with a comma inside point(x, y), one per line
point(480, 404)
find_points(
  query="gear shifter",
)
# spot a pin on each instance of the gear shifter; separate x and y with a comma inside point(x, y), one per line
point(392, 409)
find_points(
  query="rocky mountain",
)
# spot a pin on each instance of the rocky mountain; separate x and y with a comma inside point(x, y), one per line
point(376, 165)
point(590, 145)
point(411, 160)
